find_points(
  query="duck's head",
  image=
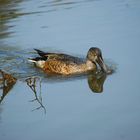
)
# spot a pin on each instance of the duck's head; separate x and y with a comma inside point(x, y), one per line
point(95, 56)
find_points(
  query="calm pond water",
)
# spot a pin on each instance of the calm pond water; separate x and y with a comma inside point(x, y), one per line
point(34, 106)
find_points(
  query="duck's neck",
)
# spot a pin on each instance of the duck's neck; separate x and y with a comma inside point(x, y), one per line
point(90, 65)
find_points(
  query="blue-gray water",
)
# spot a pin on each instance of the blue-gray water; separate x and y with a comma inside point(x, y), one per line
point(69, 109)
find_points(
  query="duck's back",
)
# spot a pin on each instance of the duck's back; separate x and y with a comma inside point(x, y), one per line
point(64, 58)
point(60, 56)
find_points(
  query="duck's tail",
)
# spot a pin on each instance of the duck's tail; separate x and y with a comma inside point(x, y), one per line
point(41, 53)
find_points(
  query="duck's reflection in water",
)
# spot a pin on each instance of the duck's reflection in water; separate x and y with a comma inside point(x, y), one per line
point(96, 82)
point(7, 81)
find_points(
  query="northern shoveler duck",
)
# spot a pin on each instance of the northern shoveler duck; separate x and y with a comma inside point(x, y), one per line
point(55, 63)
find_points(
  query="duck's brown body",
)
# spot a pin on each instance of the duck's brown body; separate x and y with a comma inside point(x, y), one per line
point(61, 67)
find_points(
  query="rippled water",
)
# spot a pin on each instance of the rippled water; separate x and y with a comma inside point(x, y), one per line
point(36, 106)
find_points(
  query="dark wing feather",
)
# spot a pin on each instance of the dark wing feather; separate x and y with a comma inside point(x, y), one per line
point(62, 57)
point(41, 53)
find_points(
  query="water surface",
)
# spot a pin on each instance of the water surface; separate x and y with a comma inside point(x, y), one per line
point(34, 106)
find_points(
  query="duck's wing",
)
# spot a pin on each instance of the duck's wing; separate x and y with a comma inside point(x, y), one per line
point(48, 56)
point(61, 57)
point(71, 59)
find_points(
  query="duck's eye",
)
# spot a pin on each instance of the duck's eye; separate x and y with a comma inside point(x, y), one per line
point(95, 55)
